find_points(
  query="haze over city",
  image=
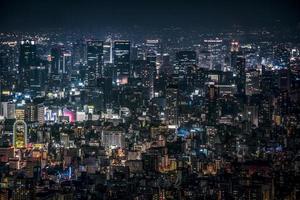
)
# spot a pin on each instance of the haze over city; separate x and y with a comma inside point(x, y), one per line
point(149, 100)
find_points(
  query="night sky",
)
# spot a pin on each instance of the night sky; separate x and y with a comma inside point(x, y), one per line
point(36, 14)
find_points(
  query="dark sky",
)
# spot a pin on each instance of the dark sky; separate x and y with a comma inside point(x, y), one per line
point(36, 14)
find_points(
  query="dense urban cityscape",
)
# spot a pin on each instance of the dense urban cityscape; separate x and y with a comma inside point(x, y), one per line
point(140, 113)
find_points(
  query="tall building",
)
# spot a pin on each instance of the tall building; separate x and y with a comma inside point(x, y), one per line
point(149, 74)
point(281, 57)
point(113, 139)
point(27, 61)
point(8, 110)
point(153, 46)
point(20, 134)
point(78, 53)
point(238, 65)
point(38, 75)
point(184, 59)
point(94, 62)
point(56, 60)
point(234, 50)
point(171, 110)
point(8, 60)
point(107, 51)
point(215, 53)
point(240, 74)
point(121, 56)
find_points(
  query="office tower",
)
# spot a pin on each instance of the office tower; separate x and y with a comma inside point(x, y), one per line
point(107, 51)
point(113, 139)
point(281, 57)
point(166, 67)
point(94, 62)
point(238, 66)
point(166, 59)
point(184, 59)
point(79, 53)
point(204, 59)
point(122, 57)
point(153, 46)
point(8, 110)
point(56, 60)
point(20, 134)
point(212, 104)
point(216, 53)
point(38, 75)
point(8, 61)
point(234, 51)
point(31, 112)
point(149, 74)
point(66, 63)
point(41, 114)
point(252, 82)
point(134, 53)
point(27, 61)
point(106, 88)
point(171, 110)
point(240, 74)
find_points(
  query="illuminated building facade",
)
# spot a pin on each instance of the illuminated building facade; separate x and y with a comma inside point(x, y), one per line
point(122, 57)
point(20, 134)
point(26, 62)
point(94, 61)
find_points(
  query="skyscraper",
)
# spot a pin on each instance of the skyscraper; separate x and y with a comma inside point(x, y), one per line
point(149, 74)
point(26, 62)
point(38, 75)
point(78, 53)
point(122, 57)
point(215, 50)
point(20, 134)
point(94, 61)
point(240, 74)
point(238, 65)
point(171, 110)
point(56, 60)
point(184, 59)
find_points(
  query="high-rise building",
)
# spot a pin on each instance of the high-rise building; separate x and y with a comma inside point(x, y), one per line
point(20, 134)
point(113, 139)
point(38, 75)
point(234, 50)
point(215, 53)
point(41, 114)
point(30, 112)
point(281, 57)
point(94, 62)
point(184, 59)
point(153, 46)
point(8, 110)
point(20, 113)
point(56, 60)
point(27, 61)
point(122, 57)
point(171, 110)
point(238, 65)
point(78, 53)
point(240, 74)
point(107, 51)
point(8, 54)
point(149, 74)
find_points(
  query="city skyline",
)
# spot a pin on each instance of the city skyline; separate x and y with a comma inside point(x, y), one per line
point(149, 100)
